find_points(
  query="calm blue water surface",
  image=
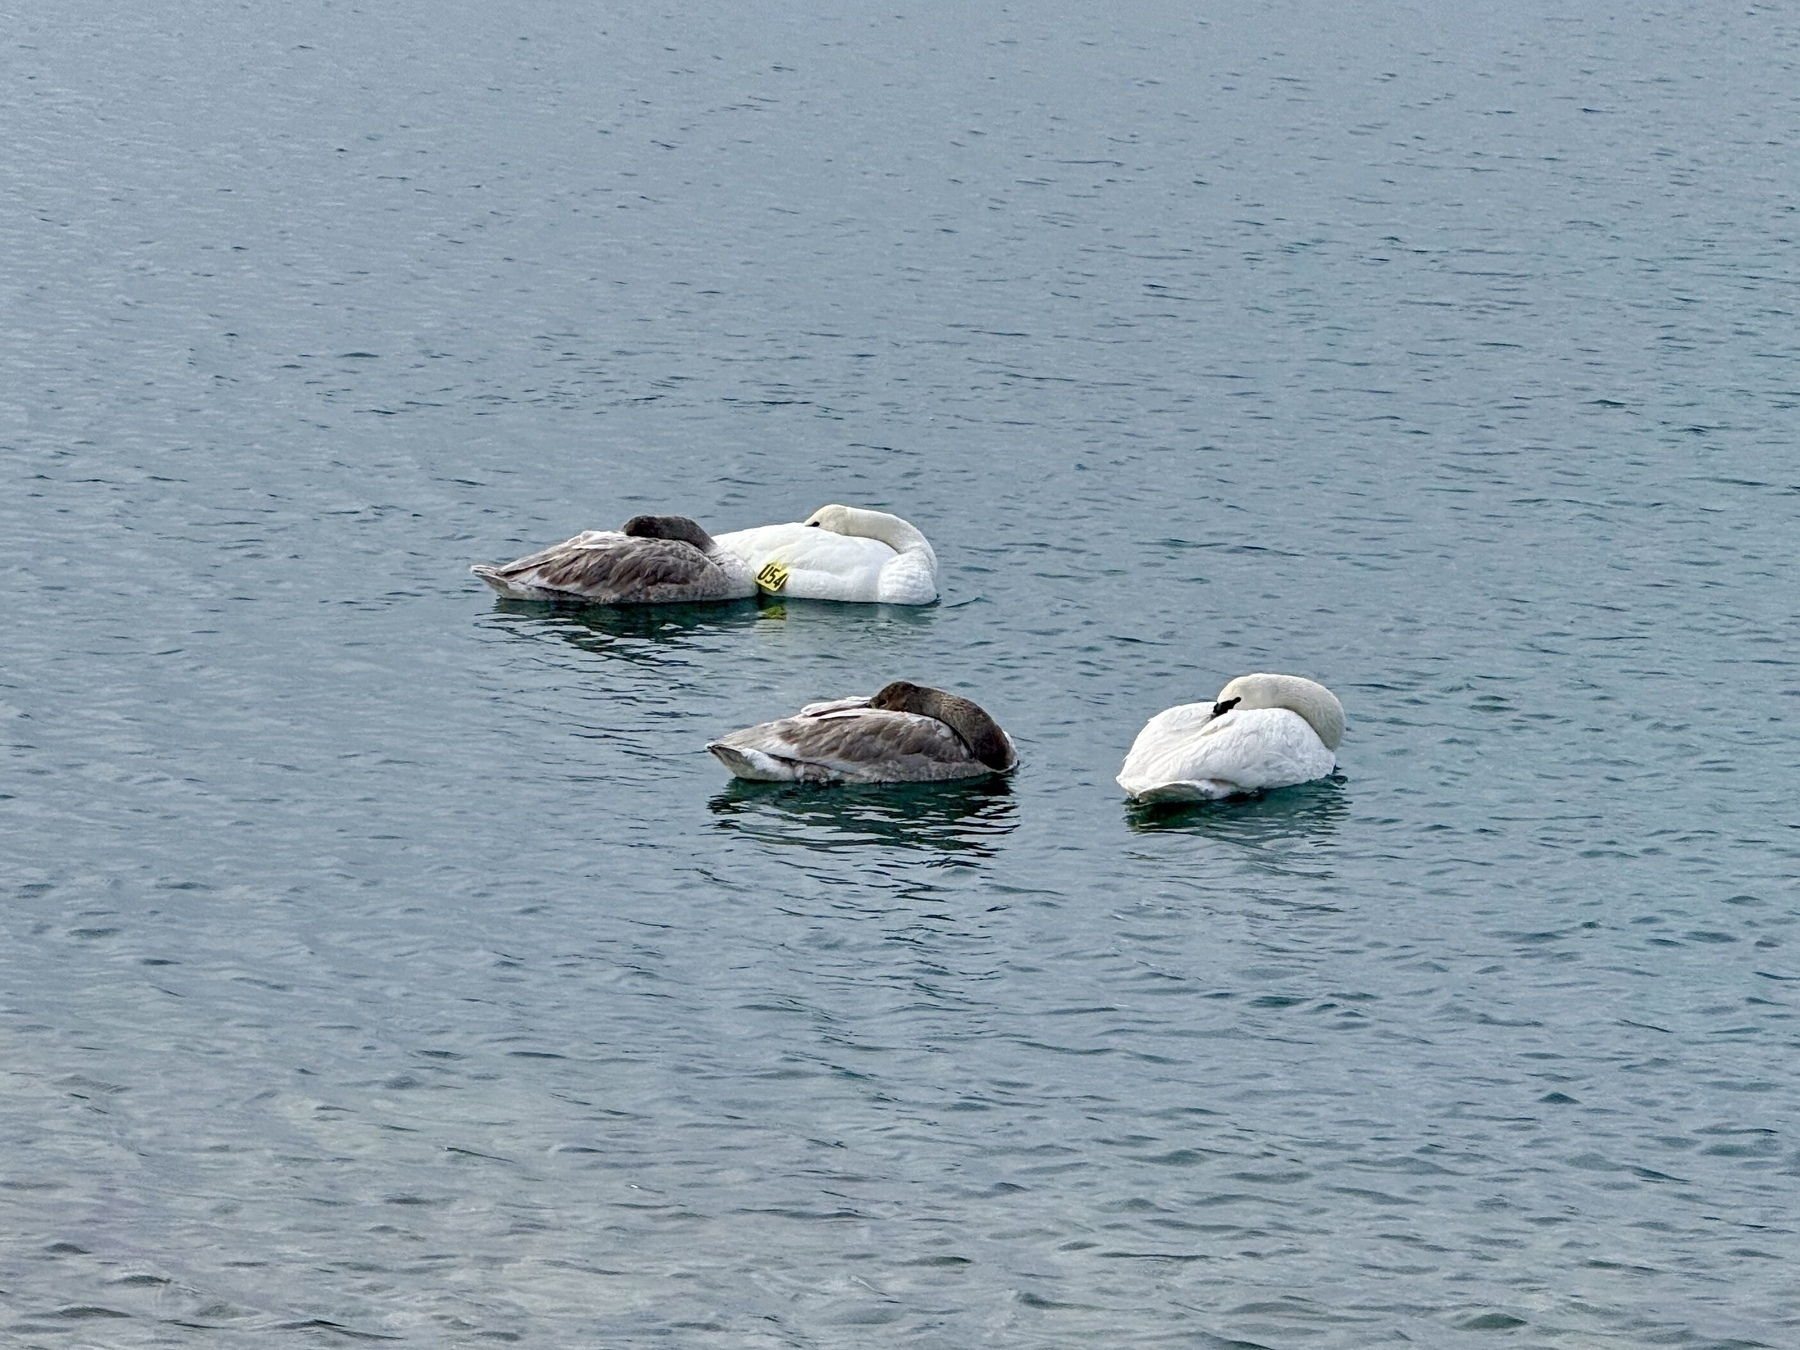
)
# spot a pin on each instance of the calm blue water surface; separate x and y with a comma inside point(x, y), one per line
point(380, 959)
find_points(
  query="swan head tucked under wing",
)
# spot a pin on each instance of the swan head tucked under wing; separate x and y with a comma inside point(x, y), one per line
point(979, 732)
point(1312, 700)
point(682, 528)
point(897, 534)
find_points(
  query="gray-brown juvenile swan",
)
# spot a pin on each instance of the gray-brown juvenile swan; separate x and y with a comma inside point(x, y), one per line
point(654, 560)
point(906, 733)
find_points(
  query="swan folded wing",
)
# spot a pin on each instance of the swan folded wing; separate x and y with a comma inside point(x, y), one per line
point(518, 579)
point(1263, 748)
point(586, 539)
point(859, 583)
point(755, 545)
point(850, 746)
point(820, 564)
point(909, 579)
point(1173, 725)
point(835, 705)
point(1258, 749)
point(804, 546)
point(613, 569)
point(1157, 760)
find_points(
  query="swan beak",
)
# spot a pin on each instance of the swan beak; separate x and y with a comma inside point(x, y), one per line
point(1224, 706)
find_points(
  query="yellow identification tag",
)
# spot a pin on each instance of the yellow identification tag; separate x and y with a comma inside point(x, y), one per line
point(772, 578)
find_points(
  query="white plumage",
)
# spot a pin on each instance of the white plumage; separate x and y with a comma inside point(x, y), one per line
point(840, 553)
point(1263, 731)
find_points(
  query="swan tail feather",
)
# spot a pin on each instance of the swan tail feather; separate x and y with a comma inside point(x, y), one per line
point(496, 578)
point(757, 765)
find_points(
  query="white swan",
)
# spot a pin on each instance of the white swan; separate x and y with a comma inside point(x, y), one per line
point(1263, 731)
point(840, 553)
point(654, 560)
point(906, 733)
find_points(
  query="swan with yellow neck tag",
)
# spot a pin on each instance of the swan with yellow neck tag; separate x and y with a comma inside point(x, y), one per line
point(840, 553)
point(1263, 731)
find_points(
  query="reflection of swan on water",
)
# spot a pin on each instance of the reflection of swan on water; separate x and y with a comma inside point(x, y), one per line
point(649, 634)
point(844, 619)
point(1309, 811)
point(967, 817)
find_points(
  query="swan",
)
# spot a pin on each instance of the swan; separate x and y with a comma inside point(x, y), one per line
point(1263, 731)
point(840, 553)
point(654, 560)
point(905, 733)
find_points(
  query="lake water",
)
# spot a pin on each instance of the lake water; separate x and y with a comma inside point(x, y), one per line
point(384, 960)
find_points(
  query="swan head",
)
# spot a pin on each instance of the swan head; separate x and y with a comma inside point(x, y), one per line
point(1312, 700)
point(837, 519)
point(896, 533)
point(979, 732)
point(670, 527)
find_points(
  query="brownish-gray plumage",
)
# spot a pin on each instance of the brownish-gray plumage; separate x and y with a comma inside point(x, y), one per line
point(654, 560)
point(967, 719)
point(906, 733)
